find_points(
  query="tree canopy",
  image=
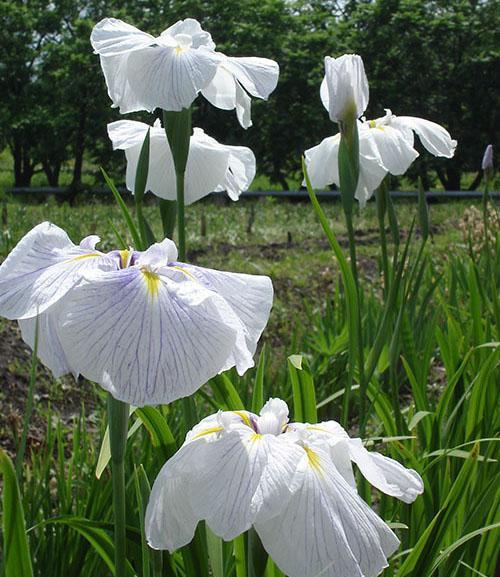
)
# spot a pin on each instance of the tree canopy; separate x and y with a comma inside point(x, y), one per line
point(436, 59)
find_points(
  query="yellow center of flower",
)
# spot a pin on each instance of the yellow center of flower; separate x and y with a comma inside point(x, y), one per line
point(124, 258)
point(255, 437)
point(179, 50)
point(152, 282)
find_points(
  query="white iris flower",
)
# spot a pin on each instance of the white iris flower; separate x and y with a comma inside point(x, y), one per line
point(386, 145)
point(345, 87)
point(147, 328)
point(292, 481)
point(210, 166)
point(143, 72)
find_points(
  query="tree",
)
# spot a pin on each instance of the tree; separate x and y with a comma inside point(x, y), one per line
point(437, 60)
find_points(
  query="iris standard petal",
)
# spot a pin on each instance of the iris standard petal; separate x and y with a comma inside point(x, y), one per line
point(146, 338)
point(435, 138)
point(326, 528)
point(385, 474)
point(111, 36)
point(170, 77)
point(249, 296)
point(191, 28)
point(42, 268)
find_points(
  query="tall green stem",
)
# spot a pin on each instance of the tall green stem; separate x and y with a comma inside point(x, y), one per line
point(118, 425)
point(349, 175)
point(178, 130)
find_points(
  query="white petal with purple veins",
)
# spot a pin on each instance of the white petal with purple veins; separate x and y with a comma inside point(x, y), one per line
point(42, 268)
point(145, 338)
point(249, 296)
point(326, 528)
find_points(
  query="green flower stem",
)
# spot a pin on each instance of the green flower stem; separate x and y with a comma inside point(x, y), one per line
point(118, 413)
point(380, 196)
point(349, 175)
point(178, 130)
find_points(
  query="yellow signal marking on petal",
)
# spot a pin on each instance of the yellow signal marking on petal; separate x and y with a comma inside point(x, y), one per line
point(244, 417)
point(179, 49)
point(208, 432)
point(124, 256)
point(152, 282)
point(372, 123)
point(314, 460)
point(316, 428)
point(255, 437)
point(83, 256)
point(183, 270)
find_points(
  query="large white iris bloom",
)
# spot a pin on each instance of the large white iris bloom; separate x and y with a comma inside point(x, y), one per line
point(143, 72)
point(386, 144)
point(147, 328)
point(293, 482)
point(210, 166)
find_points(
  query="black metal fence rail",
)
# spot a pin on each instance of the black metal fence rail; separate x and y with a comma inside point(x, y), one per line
point(287, 194)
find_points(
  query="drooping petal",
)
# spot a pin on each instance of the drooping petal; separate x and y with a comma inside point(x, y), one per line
point(434, 137)
point(111, 36)
point(228, 492)
point(243, 107)
point(322, 162)
point(42, 268)
point(386, 474)
point(170, 518)
point(115, 69)
point(258, 76)
point(146, 338)
point(170, 77)
point(326, 528)
point(396, 153)
point(126, 134)
point(49, 347)
point(249, 296)
point(207, 166)
point(221, 91)
point(345, 86)
point(371, 170)
point(241, 171)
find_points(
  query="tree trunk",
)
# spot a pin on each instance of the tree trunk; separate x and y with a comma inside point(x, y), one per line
point(453, 174)
point(23, 167)
point(477, 180)
point(52, 171)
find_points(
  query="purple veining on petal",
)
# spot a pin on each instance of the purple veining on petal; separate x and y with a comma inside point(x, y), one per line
point(254, 424)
